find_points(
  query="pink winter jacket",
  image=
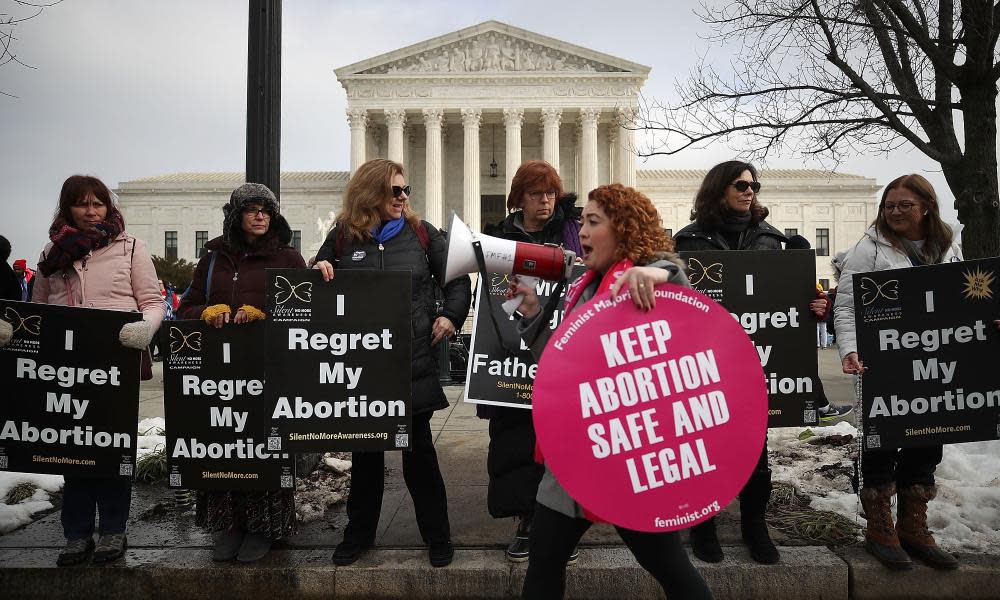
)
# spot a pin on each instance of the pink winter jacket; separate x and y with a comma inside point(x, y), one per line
point(119, 276)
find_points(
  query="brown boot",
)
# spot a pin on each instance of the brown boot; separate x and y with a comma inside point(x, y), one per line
point(914, 536)
point(880, 538)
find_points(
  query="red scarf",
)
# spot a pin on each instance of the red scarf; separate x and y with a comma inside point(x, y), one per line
point(575, 289)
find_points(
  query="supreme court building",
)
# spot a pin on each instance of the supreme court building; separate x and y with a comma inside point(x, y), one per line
point(461, 112)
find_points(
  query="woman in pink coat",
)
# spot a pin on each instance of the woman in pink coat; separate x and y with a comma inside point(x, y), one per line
point(92, 262)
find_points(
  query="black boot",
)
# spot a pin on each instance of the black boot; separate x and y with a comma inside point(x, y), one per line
point(705, 543)
point(753, 526)
point(518, 549)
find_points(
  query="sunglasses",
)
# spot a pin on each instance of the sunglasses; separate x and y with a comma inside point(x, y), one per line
point(743, 185)
point(398, 191)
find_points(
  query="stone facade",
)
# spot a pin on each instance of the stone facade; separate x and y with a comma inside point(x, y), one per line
point(452, 107)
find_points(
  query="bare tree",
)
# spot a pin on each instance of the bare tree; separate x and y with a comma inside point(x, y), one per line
point(13, 14)
point(826, 77)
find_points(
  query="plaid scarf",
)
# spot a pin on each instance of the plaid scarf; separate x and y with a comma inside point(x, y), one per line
point(70, 244)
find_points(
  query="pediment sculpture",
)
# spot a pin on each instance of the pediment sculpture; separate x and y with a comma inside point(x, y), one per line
point(492, 52)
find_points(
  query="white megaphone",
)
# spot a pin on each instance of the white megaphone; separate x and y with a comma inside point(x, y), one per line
point(547, 261)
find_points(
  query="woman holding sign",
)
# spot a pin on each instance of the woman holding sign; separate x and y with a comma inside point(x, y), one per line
point(540, 213)
point(228, 285)
point(728, 216)
point(378, 230)
point(621, 228)
point(907, 232)
point(91, 261)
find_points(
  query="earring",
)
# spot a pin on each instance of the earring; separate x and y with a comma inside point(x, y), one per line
point(925, 212)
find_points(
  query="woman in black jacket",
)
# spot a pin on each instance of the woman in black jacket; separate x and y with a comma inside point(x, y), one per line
point(377, 230)
point(728, 216)
point(540, 213)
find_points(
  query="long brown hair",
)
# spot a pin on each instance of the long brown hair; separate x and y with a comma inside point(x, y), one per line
point(368, 189)
point(938, 238)
point(532, 173)
point(635, 221)
point(78, 187)
point(710, 201)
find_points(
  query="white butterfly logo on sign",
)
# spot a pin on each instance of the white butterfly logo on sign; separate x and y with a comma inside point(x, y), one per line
point(287, 290)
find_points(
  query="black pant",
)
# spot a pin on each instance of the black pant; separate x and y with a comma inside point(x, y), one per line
point(905, 466)
point(83, 497)
point(554, 536)
point(510, 462)
point(423, 479)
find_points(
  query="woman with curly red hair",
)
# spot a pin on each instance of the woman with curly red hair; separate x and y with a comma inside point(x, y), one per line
point(624, 246)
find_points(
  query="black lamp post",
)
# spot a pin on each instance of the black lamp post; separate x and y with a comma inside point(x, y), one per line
point(493, 162)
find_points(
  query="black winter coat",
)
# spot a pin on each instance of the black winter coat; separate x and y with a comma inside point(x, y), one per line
point(756, 237)
point(404, 253)
point(10, 286)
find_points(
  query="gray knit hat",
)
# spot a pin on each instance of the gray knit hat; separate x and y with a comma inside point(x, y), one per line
point(242, 197)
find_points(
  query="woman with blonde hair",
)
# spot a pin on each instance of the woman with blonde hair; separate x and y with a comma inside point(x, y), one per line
point(907, 232)
point(377, 230)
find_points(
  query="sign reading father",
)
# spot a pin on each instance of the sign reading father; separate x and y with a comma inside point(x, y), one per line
point(652, 420)
point(338, 360)
point(927, 337)
point(213, 384)
point(768, 292)
point(71, 391)
point(496, 376)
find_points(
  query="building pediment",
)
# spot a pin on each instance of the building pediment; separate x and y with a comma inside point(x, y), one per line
point(492, 48)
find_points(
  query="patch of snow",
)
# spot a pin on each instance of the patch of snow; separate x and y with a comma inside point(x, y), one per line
point(965, 516)
point(14, 516)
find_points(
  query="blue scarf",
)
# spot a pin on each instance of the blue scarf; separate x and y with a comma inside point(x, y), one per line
point(388, 229)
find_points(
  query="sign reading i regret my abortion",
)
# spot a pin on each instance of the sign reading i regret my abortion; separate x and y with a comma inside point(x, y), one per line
point(338, 360)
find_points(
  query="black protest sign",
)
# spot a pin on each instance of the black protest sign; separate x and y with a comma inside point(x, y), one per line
point(927, 338)
point(495, 375)
point(338, 360)
point(768, 292)
point(71, 391)
point(216, 413)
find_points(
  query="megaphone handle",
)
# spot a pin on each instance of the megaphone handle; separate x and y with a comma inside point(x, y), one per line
point(477, 248)
point(511, 305)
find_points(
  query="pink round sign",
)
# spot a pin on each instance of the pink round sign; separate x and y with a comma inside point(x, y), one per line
point(652, 420)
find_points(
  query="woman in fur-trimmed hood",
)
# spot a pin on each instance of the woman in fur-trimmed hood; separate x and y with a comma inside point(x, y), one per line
point(255, 238)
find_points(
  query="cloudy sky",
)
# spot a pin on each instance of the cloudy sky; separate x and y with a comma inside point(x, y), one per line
point(123, 90)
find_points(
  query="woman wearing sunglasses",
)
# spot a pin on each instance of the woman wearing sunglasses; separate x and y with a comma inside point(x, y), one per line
point(377, 230)
point(728, 216)
point(907, 232)
point(228, 286)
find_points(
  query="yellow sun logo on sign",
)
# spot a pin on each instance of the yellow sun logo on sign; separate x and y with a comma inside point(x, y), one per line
point(978, 284)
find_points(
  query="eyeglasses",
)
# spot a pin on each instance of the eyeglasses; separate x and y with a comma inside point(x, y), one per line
point(742, 185)
point(255, 212)
point(536, 196)
point(900, 206)
point(398, 191)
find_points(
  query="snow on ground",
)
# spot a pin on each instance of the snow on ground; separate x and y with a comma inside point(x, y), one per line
point(13, 516)
point(964, 517)
point(148, 440)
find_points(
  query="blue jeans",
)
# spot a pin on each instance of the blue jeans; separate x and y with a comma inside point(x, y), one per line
point(83, 497)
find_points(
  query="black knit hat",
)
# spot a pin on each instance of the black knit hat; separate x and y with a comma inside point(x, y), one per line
point(246, 195)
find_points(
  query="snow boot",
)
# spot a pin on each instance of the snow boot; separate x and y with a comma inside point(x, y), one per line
point(705, 542)
point(518, 549)
point(880, 537)
point(753, 525)
point(911, 527)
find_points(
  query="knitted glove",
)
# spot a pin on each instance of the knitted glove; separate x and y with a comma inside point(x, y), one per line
point(6, 332)
point(253, 313)
point(212, 312)
point(137, 335)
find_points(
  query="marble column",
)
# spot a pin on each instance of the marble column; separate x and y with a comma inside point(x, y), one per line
point(513, 118)
point(551, 117)
point(471, 201)
point(433, 199)
point(588, 150)
point(395, 119)
point(357, 118)
point(625, 148)
point(612, 154)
